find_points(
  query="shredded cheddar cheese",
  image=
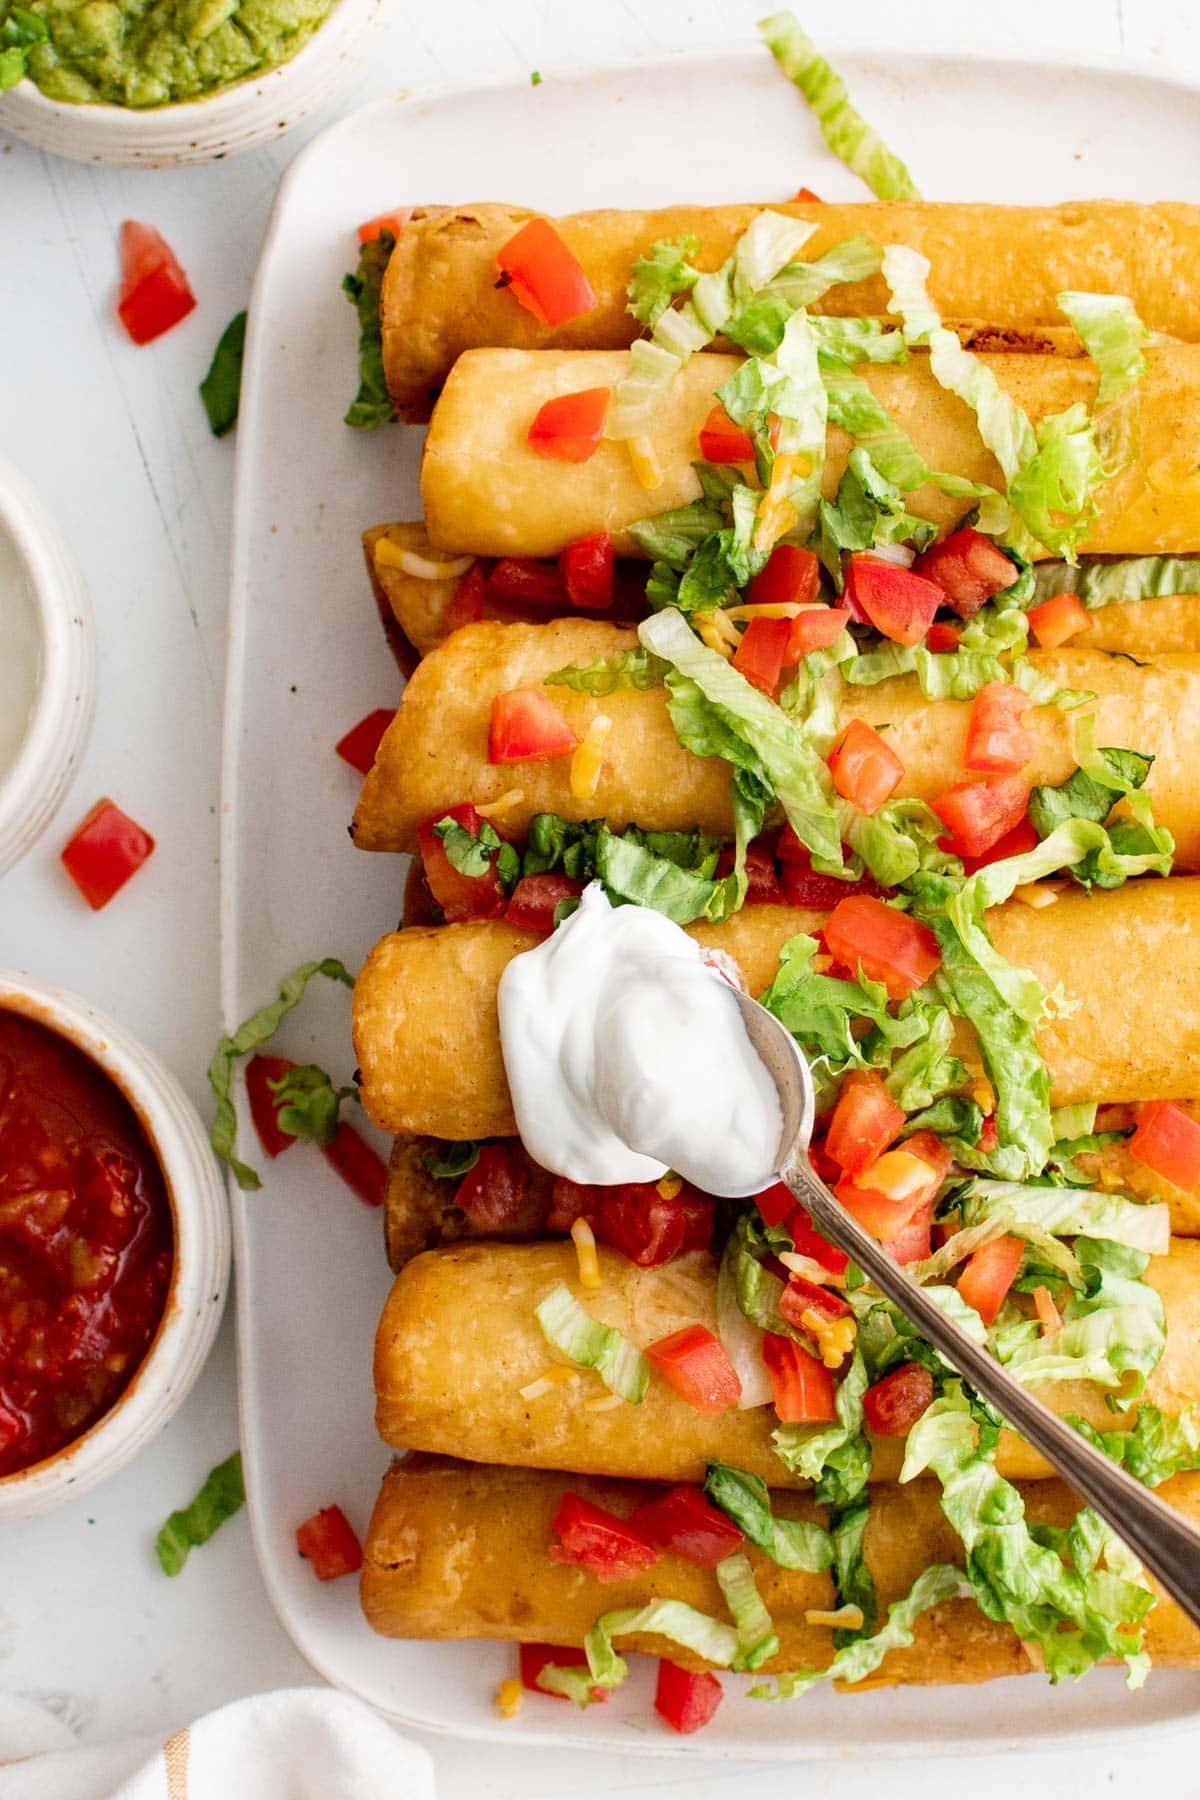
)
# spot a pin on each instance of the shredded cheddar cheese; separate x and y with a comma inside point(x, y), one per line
point(607, 1403)
point(1035, 894)
point(812, 1271)
point(982, 1091)
point(588, 760)
point(769, 609)
point(495, 809)
point(510, 1697)
point(584, 1239)
point(669, 1186)
point(544, 1384)
point(645, 462)
point(776, 514)
point(394, 556)
point(835, 1337)
point(843, 1618)
point(707, 625)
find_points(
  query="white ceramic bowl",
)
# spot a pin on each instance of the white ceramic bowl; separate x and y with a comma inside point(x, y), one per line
point(223, 124)
point(196, 1296)
point(34, 785)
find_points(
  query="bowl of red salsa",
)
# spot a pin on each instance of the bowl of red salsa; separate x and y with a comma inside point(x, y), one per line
point(114, 1246)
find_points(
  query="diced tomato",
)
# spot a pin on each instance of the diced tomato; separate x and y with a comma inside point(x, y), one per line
point(759, 656)
point(806, 195)
point(683, 1522)
point(802, 1386)
point(816, 628)
point(636, 1219)
point(989, 1136)
point(998, 743)
point(536, 1657)
point(988, 1273)
point(592, 1538)
point(695, 1363)
point(775, 1203)
point(459, 896)
point(1058, 619)
point(329, 1543)
point(941, 637)
point(977, 814)
point(790, 577)
point(686, 1699)
point(360, 1167)
point(466, 607)
point(968, 567)
point(524, 581)
point(888, 945)
point(801, 1295)
point(892, 1406)
point(545, 277)
point(260, 1072)
point(535, 898)
point(154, 292)
point(569, 427)
point(865, 769)
point(1016, 842)
point(393, 221)
point(807, 1240)
point(360, 746)
point(898, 603)
point(803, 886)
point(588, 572)
point(914, 1242)
point(721, 441)
point(492, 1193)
point(104, 851)
point(525, 725)
point(865, 1121)
point(762, 877)
point(1167, 1140)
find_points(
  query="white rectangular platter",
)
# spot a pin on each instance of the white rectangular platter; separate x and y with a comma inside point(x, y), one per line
point(307, 658)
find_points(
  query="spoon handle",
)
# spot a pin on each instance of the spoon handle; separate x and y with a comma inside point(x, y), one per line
point(1161, 1538)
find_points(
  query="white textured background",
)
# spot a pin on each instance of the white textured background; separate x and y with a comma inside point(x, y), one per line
point(118, 447)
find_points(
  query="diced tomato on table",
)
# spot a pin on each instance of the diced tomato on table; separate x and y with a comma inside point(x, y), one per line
point(686, 1699)
point(104, 851)
point(329, 1543)
point(360, 746)
point(154, 294)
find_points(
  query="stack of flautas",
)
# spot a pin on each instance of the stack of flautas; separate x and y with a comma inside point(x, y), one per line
point(460, 1542)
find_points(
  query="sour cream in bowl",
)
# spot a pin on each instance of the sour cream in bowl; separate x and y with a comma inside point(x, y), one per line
point(47, 667)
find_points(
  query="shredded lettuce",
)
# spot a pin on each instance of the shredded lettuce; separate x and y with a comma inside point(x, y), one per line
point(746, 1499)
point(1115, 339)
point(661, 276)
point(896, 840)
point(852, 1576)
point(787, 765)
point(842, 126)
point(1101, 1347)
point(221, 389)
point(856, 1660)
point(1157, 1447)
point(820, 1011)
point(757, 1641)
point(372, 404)
point(250, 1035)
point(681, 1624)
point(1075, 1611)
point(571, 1330)
point(1118, 582)
point(307, 1104)
point(606, 675)
point(1068, 1212)
point(803, 284)
point(450, 1162)
point(222, 1494)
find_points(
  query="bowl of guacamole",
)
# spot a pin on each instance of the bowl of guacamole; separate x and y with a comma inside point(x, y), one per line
point(144, 82)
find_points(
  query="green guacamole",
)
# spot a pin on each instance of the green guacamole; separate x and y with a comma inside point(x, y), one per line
point(158, 52)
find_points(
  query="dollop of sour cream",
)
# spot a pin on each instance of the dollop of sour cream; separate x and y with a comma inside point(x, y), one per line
point(626, 1056)
point(20, 652)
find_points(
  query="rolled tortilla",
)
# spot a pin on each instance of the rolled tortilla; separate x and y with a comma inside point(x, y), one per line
point(996, 273)
point(420, 1211)
point(419, 606)
point(427, 1038)
point(435, 753)
point(486, 492)
point(417, 1583)
point(457, 1391)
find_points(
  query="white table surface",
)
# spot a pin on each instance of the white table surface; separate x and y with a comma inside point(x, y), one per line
point(116, 441)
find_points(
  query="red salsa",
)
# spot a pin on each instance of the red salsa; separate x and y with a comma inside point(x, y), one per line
point(86, 1242)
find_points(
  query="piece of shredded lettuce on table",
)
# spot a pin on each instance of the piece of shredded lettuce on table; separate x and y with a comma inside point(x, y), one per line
point(221, 389)
point(842, 126)
point(372, 404)
point(223, 1493)
point(252, 1034)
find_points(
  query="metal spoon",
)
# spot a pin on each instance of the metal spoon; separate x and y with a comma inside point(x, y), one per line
point(1163, 1540)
